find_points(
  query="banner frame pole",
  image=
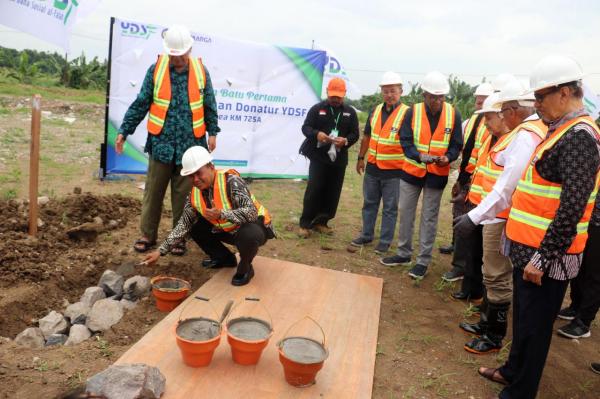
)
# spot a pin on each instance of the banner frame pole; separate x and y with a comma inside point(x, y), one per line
point(104, 147)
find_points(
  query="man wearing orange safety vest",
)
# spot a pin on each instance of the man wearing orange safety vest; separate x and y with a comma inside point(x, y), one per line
point(220, 209)
point(516, 132)
point(548, 221)
point(431, 137)
point(178, 97)
point(381, 146)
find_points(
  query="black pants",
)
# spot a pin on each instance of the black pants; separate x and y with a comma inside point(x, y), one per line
point(247, 239)
point(534, 310)
point(585, 288)
point(471, 247)
point(322, 194)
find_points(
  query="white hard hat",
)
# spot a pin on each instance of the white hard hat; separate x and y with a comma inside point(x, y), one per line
point(554, 70)
point(177, 40)
point(484, 89)
point(490, 104)
point(501, 80)
point(516, 91)
point(390, 78)
point(436, 83)
point(193, 159)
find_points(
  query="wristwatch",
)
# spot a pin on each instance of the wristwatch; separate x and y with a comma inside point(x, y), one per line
point(361, 158)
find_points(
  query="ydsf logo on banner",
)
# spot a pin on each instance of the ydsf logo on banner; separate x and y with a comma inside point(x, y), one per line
point(66, 6)
point(137, 30)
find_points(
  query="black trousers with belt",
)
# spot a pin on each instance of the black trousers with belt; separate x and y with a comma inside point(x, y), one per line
point(534, 310)
point(471, 247)
point(322, 194)
point(247, 239)
point(585, 288)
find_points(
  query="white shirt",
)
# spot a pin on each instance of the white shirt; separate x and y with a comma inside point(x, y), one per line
point(515, 159)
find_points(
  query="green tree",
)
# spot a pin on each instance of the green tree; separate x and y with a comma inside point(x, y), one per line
point(24, 72)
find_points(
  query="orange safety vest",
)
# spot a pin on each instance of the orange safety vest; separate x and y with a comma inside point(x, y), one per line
point(222, 201)
point(536, 200)
point(435, 144)
point(385, 150)
point(488, 171)
point(481, 134)
point(162, 95)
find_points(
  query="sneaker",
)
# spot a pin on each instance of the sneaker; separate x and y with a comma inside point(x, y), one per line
point(567, 313)
point(381, 249)
point(321, 228)
point(395, 260)
point(453, 275)
point(595, 367)
point(447, 250)
point(303, 233)
point(418, 272)
point(359, 242)
point(575, 329)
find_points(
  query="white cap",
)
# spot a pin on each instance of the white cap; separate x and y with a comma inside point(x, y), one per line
point(516, 91)
point(193, 159)
point(554, 70)
point(484, 89)
point(501, 80)
point(436, 83)
point(390, 78)
point(177, 40)
point(490, 104)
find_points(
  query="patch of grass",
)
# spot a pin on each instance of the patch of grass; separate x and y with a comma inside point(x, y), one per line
point(502, 355)
point(42, 366)
point(13, 176)
point(470, 310)
point(104, 347)
point(8, 194)
point(443, 285)
point(60, 93)
point(75, 379)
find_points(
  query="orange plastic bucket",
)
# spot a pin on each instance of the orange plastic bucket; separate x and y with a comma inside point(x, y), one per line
point(248, 336)
point(302, 357)
point(169, 292)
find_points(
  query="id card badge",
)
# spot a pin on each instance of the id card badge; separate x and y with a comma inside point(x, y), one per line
point(334, 132)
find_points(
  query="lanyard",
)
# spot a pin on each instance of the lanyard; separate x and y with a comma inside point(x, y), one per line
point(337, 119)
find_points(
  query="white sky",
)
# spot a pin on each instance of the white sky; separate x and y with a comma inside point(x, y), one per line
point(470, 39)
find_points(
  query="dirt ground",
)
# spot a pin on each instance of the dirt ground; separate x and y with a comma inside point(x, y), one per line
point(419, 352)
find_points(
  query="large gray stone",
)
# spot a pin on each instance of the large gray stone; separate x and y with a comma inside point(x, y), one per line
point(136, 287)
point(31, 338)
point(127, 304)
point(111, 283)
point(77, 312)
point(91, 295)
point(56, 339)
point(78, 334)
point(128, 381)
point(104, 314)
point(53, 323)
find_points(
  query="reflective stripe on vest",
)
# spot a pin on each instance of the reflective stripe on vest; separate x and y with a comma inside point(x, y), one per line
point(385, 150)
point(536, 200)
point(161, 96)
point(221, 201)
point(426, 142)
point(488, 171)
point(482, 134)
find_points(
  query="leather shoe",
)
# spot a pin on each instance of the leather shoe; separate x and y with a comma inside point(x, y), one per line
point(243, 278)
point(217, 264)
point(460, 295)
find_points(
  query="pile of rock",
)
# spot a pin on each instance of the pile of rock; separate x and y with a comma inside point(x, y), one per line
point(98, 309)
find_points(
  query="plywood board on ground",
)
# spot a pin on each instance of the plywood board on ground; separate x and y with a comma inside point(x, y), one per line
point(346, 305)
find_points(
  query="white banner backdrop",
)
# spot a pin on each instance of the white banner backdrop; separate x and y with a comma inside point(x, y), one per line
point(50, 20)
point(263, 93)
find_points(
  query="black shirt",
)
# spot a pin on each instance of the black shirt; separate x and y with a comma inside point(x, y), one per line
point(371, 168)
point(410, 150)
point(463, 175)
point(322, 117)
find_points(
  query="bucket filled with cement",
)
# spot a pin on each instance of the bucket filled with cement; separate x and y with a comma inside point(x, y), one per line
point(302, 357)
point(248, 333)
point(198, 337)
point(169, 292)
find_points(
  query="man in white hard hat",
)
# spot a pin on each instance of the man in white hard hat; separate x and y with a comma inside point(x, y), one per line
point(331, 128)
point(431, 137)
point(502, 160)
point(177, 95)
point(548, 221)
point(381, 183)
point(474, 134)
point(219, 209)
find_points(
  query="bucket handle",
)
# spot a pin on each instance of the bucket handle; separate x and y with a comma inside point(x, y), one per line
point(201, 298)
point(253, 299)
point(298, 322)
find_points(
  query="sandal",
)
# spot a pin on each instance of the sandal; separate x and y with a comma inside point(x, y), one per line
point(143, 245)
point(492, 375)
point(178, 249)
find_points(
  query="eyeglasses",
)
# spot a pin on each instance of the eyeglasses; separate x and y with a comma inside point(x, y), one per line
point(539, 97)
point(503, 110)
